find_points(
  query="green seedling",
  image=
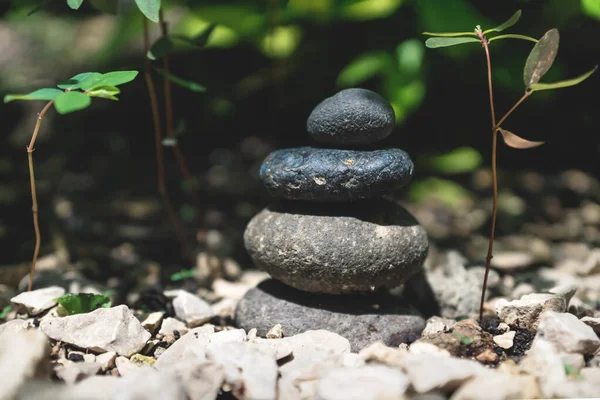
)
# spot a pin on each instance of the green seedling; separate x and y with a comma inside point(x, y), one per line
point(538, 62)
point(80, 303)
point(181, 275)
point(5, 311)
point(464, 339)
point(72, 95)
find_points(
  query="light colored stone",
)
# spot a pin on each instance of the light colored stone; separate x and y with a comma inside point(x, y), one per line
point(585, 385)
point(230, 290)
point(438, 324)
point(126, 366)
point(591, 265)
point(543, 361)
point(526, 312)
point(371, 382)
point(280, 347)
point(224, 308)
point(275, 332)
point(510, 261)
point(153, 321)
point(567, 291)
point(380, 353)
point(202, 381)
point(521, 290)
point(352, 360)
point(428, 372)
point(575, 361)
point(147, 383)
point(171, 324)
point(427, 348)
point(498, 387)
point(286, 390)
point(37, 301)
point(567, 333)
point(22, 356)
point(503, 327)
point(105, 329)
point(232, 335)
point(106, 360)
point(192, 346)
point(76, 371)
point(13, 327)
point(593, 323)
point(191, 308)
point(251, 373)
point(506, 340)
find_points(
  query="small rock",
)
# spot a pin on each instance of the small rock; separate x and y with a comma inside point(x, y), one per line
point(521, 290)
point(427, 348)
point(498, 387)
point(544, 362)
point(506, 340)
point(147, 383)
point(142, 360)
point(153, 321)
point(169, 325)
point(106, 360)
point(510, 261)
point(487, 356)
point(13, 327)
point(438, 324)
point(230, 290)
point(105, 329)
point(526, 312)
point(37, 301)
point(126, 366)
point(75, 372)
point(317, 174)
point(466, 339)
point(593, 323)
point(567, 333)
point(351, 116)
point(275, 332)
point(352, 360)
point(202, 381)
point(428, 372)
point(251, 373)
point(566, 291)
point(191, 308)
point(591, 265)
point(232, 335)
point(190, 347)
point(22, 356)
point(224, 308)
point(337, 248)
point(371, 382)
point(380, 353)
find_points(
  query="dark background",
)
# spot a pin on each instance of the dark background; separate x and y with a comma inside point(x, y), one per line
point(257, 101)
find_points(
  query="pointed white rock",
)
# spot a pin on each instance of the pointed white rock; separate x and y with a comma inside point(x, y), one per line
point(37, 301)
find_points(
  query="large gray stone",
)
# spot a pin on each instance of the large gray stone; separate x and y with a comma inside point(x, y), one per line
point(337, 248)
point(361, 318)
point(308, 173)
point(352, 116)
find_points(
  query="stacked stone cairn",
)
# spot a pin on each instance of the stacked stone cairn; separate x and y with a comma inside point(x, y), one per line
point(334, 243)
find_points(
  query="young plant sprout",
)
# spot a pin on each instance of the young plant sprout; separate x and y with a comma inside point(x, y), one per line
point(72, 95)
point(538, 62)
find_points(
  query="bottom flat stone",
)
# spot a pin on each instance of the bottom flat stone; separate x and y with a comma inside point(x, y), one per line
point(361, 318)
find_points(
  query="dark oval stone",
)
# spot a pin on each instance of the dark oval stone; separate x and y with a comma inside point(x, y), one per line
point(337, 247)
point(308, 173)
point(362, 319)
point(352, 116)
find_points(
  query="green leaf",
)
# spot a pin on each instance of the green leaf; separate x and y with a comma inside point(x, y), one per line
point(40, 94)
point(541, 58)
point(69, 102)
point(562, 84)
point(457, 161)
point(517, 142)
point(79, 303)
point(434, 43)
point(149, 8)
point(183, 274)
point(105, 92)
point(513, 36)
point(107, 6)
point(114, 78)
point(160, 48)
point(5, 311)
point(76, 81)
point(364, 67)
point(190, 85)
point(591, 8)
point(450, 34)
point(510, 22)
point(74, 4)
point(465, 339)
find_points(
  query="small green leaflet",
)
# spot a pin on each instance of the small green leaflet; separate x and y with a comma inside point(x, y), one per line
point(193, 86)
point(114, 78)
point(76, 81)
point(510, 22)
point(562, 84)
point(465, 339)
point(541, 58)
point(5, 311)
point(450, 34)
point(104, 92)
point(68, 102)
point(513, 36)
point(183, 274)
point(79, 303)
point(436, 42)
point(40, 94)
point(74, 4)
point(149, 8)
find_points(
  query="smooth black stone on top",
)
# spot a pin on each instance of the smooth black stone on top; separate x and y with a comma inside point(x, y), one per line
point(308, 173)
point(362, 319)
point(352, 116)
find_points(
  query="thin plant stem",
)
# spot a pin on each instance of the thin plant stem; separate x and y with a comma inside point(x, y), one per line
point(513, 108)
point(34, 206)
point(160, 163)
point(488, 258)
point(179, 157)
